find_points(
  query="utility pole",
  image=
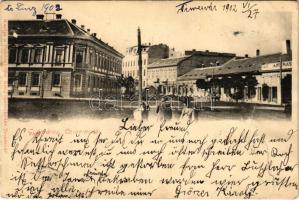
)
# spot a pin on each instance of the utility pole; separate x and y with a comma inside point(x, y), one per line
point(280, 79)
point(139, 67)
point(212, 90)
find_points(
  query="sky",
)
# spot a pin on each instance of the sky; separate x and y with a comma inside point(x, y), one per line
point(116, 22)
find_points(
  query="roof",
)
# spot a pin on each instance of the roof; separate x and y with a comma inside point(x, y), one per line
point(209, 53)
point(50, 28)
point(236, 66)
point(167, 62)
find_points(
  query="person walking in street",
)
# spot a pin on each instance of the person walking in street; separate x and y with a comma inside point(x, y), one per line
point(164, 110)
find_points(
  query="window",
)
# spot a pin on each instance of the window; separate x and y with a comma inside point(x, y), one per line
point(96, 60)
point(38, 55)
point(79, 57)
point(58, 57)
point(144, 62)
point(35, 79)
point(22, 78)
point(90, 57)
point(274, 94)
point(78, 81)
point(88, 81)
point(265, 92)
point(144, 72)
point(56, 79)
point(24, 55)
point(11, 77)
point(12, 55)
point(99, 61)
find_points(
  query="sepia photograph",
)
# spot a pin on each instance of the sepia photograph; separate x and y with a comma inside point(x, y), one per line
point(62, 65)
point(149, 99)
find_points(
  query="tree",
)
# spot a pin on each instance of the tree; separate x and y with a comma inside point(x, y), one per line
point(202, 84)
point(128, 83)
point(286, 88)
point(226, 83)
point(251, 82)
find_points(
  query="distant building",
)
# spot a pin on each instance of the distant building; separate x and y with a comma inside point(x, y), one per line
point(175, 54)
point(273, 73)
point(163, 74)
point(58, 59)
point(150, 54)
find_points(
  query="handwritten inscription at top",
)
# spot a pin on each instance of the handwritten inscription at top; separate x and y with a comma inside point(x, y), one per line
point(251, 10)
point(34, 10)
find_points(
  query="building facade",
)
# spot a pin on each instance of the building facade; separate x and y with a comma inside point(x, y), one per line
point(163, 74)
point(58, 59)
point(273, 75)
point(150, 53)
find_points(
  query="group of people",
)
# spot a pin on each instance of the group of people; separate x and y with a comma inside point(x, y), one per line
point(164, 111)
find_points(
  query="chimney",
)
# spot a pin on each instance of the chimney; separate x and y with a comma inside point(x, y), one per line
point(94, 35)
point(193, 49)
point(286, 47)
point(88, 30)
point(257, 52)
point(82, 26)
point(246, 55)
point(40, 17)
point(58, 16)
point(73, 21)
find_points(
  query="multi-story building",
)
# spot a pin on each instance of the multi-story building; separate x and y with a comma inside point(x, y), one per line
point(150, 54)
point(175, 54)
point(58, 59)
point(273, 74)
point(163, 74)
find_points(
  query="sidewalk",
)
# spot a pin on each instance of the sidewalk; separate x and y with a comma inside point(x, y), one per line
point(238, 106)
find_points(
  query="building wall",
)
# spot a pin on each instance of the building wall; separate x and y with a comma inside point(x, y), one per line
point(98, 69)
point(45, 88)
point(200, 61)
point(149, 55)
point(43, 55)
point(273, 92)
point(157, 52)
point(168, 74)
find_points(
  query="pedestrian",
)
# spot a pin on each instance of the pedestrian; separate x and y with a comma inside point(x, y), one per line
point(164, 110)
point(145, 110)
point(187, 114)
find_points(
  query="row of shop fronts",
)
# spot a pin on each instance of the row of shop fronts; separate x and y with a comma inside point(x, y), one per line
point(271, 74)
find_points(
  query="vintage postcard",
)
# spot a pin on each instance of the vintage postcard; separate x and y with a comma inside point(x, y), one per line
point(149, 99)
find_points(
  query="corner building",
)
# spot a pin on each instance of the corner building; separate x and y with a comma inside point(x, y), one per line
point(58, 59)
